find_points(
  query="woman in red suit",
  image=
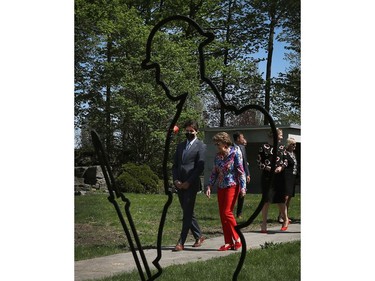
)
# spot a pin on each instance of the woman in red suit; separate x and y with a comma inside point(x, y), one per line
point(228, 176)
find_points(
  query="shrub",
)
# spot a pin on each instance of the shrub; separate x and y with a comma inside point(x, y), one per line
point(137, 179)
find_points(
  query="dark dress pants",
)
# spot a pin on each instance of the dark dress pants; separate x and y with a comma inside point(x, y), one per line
point(187, 201)
point(240, 202)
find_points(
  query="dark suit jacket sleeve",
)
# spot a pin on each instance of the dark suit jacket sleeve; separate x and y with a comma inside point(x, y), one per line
point(244, 156)
point(175, 165)
point(199, 163)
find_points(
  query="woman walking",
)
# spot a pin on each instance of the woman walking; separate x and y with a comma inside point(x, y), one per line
point(228, 177)
point(290, 171)
point(276, 192)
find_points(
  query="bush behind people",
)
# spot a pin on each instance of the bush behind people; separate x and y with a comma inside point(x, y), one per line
point(135, 178)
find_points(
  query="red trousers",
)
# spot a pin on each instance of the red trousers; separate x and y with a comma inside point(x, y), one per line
point(227, 199)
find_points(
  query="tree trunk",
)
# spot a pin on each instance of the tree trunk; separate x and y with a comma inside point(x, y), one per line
point(222, 121)
point(269, 66)
point(226, 53)
point(108, 103)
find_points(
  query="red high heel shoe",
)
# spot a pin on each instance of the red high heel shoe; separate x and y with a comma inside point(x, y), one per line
point(284, 228)
point(236, 246)
point(225, 247)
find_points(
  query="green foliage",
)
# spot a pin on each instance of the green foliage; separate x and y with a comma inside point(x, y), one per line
point(269, 245)
point(138, 179)
point(122, 102)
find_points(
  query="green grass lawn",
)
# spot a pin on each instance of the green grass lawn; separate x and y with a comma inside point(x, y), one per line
point(98, 231)
point(275, 262)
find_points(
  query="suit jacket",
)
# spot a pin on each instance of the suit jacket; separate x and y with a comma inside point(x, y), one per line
point(191, 166)
point(244, 157)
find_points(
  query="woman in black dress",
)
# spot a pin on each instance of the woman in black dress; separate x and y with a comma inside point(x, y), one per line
point(276, 192)
point(290, 172)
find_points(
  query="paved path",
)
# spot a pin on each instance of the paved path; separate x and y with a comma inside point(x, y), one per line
point(106, 266)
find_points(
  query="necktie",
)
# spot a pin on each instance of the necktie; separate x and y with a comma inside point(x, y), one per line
point(186, 149)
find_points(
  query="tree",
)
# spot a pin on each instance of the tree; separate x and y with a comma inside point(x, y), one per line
point(229, 65)
point(289, 84)
point(109, 40)
point(114, 95)
point(273, 14)
point(122, 102)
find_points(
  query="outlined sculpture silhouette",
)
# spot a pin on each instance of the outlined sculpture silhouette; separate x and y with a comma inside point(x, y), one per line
point(147, 64)
point(114, 192)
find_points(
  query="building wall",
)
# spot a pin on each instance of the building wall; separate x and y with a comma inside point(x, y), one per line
point(255, 136)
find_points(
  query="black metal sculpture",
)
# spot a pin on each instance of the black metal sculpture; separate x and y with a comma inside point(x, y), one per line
point(115, 193)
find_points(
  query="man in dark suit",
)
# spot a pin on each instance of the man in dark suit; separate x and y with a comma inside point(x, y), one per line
point(240, 141)
point(188, 165)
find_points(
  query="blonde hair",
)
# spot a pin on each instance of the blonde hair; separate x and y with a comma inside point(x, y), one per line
point(222, 137)
point(270, 133)
point(290, 141)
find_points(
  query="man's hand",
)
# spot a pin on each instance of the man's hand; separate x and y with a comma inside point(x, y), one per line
point(181, 185)
point(184, 185)
point(177, 184)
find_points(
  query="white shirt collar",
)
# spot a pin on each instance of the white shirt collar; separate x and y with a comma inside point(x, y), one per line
point(191, 142)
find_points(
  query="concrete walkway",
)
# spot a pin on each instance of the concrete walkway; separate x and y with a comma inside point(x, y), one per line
point(110, 265)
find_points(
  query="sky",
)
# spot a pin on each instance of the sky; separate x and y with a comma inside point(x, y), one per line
point(37, 140)
point(279, 64)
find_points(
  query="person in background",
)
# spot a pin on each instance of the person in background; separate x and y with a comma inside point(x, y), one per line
point(276, 192)
point(290, 172)
point(240, 142)
point(228, 176)
point(188, 165)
